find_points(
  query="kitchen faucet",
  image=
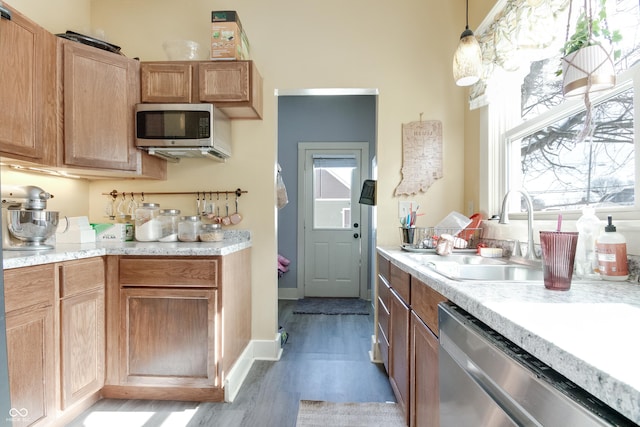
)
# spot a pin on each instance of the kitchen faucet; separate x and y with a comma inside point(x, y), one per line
point(504, 219)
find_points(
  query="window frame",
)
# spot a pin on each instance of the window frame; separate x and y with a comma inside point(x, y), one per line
point(507, 154)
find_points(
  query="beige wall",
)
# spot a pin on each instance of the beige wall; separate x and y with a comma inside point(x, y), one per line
point(402, 49)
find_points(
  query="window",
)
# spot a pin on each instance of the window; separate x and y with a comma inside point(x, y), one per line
point(332, 189)
point(542, 151)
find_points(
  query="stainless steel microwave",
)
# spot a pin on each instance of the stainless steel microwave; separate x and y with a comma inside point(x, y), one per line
point(174, 131)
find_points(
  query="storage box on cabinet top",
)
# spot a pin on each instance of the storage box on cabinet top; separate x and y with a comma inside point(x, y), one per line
point(228, 39)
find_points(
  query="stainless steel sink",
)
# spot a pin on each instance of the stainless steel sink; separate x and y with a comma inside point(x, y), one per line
point(458, 259)
point(487, 272)
point(469, 267)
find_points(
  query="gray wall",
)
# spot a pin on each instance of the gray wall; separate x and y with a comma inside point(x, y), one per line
point(344, 118)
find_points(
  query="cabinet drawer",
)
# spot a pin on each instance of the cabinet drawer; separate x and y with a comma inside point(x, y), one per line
point(424, 302)
point(157, 271)
point(80, 276)
point(383, 267)
point(401, 283)
point(383, 320)
point(383, 292)
point(383, 343)
point(27, 286)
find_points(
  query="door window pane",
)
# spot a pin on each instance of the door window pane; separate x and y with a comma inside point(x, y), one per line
point(332, 192)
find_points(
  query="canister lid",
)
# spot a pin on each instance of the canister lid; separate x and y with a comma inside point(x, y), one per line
point(190, 218)
point(211, 227)
point(172, 212)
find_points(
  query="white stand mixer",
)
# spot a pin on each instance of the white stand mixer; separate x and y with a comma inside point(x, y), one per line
point(26, 225)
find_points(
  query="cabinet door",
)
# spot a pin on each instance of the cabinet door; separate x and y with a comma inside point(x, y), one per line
point(30, 352)
point(166, 81)
point(424, 407)
point(28, 88)
point(82, 329)
point(29, 296)
point(399, 350)
point(234, 86)
point(100, 92)
point(169, 337)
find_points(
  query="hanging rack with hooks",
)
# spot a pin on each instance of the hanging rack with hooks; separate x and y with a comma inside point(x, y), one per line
point(114, 193)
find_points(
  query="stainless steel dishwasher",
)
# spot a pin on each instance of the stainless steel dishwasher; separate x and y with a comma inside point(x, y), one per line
point(487, 381)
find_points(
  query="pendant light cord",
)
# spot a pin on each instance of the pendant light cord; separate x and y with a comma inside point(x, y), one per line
point(467, 22)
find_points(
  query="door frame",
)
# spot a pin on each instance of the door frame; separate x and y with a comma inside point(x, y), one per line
point(364, 218)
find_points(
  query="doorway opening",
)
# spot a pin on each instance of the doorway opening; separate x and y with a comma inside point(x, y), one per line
point(334, 117)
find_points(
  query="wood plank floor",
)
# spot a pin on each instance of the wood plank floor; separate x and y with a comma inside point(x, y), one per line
point(325, 358)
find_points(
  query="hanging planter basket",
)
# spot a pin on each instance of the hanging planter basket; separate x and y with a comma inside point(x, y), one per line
point(589, 69)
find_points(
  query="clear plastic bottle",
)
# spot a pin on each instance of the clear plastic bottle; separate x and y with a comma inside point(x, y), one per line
point(189, 229)
point(611, 247)
point(589, 228)
point(169, 219)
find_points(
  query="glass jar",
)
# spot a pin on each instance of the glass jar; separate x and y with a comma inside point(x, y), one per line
point(188, 228)
point(169, 219)
point(211, 233)
point(147, 226)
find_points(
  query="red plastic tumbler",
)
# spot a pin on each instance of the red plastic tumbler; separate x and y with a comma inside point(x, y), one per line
point(558, 255)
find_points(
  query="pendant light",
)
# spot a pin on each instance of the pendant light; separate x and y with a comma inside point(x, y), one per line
point(467, 60)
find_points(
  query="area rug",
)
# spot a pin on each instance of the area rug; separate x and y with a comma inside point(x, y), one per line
point(313, 413)
point(331, 306)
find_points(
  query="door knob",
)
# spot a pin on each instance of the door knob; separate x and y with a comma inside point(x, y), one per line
point(356, 235)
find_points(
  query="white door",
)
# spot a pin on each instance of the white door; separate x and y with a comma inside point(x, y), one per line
point(332, 221)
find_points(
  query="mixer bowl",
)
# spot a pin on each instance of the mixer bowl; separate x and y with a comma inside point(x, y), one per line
point(32, 226)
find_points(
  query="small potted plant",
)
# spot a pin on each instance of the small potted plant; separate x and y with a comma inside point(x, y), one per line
point(587, 63)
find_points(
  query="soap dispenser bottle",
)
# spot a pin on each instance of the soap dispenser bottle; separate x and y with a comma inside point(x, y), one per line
point(611, 248)
point(588, 226)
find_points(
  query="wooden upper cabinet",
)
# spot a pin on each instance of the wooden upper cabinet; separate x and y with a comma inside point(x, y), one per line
point(28, 88)
point(234, 86)
point(166, 82)
point(100, 90)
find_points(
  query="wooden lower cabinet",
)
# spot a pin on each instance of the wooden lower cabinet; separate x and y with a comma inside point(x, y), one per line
point(82, 346)
point(424, 402)
point(407, 332)
point(399, 350)
point(82, 332)
point(29, 300)
point(177, 325)
point(55, 339)
point(169, 337)
point(30, 349)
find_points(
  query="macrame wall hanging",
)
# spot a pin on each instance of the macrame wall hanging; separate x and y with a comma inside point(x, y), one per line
point(421, 156)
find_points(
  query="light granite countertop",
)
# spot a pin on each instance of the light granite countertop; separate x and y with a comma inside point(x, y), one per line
point(588, 333)
point(234, 241)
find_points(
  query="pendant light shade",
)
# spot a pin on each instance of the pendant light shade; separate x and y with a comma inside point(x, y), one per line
point(467, 60)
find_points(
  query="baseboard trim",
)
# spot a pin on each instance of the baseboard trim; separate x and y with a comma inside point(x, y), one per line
point(288, 293)
point(255, 350)
point(374, 353)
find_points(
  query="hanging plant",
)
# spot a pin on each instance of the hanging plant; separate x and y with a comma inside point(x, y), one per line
point(587, 63)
